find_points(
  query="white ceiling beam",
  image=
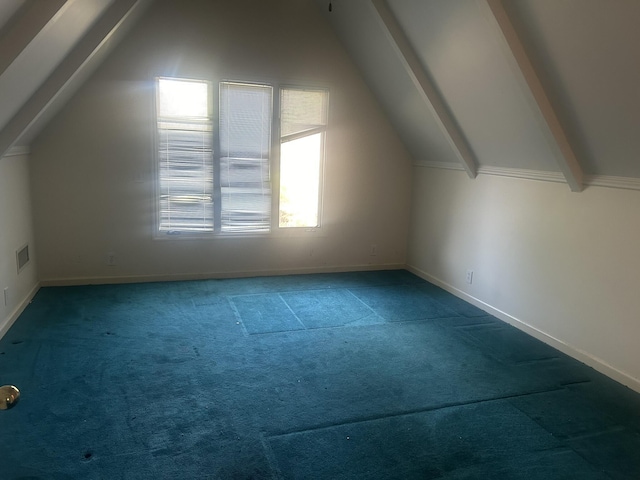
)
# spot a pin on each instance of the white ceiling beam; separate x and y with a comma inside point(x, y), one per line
point(425, 87)
point(72, 72)
point(29, 23)
point(39, 58)
point(534, 91)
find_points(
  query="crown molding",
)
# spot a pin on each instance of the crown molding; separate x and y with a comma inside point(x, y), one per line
point(609, 181)
point(540, 175)
point(440, 165)
point(17, 151)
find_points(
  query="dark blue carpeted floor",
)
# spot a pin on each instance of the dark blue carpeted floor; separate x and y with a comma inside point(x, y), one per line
point(370, 375)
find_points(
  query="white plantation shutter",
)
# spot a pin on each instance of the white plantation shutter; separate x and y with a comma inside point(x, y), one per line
point(185, 157)
point(245, 141)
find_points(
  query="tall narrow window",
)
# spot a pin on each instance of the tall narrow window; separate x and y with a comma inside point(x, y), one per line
point(303, 126)
point(185, 156)
point(245, 143)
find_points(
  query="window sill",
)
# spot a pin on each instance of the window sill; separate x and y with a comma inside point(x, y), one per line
point(275, 234)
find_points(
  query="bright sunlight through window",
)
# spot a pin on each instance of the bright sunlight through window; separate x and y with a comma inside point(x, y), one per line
point(218, 180)
point(300, 181)
point(179, 98)
point(304, 122)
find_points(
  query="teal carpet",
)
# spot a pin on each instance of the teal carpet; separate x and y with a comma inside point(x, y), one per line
point(365, 375)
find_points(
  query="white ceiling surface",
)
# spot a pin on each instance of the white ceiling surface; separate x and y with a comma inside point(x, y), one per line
point(461, 54)
point(587, 52)
point(8, 8)
point(584, 52)
point(356, 24)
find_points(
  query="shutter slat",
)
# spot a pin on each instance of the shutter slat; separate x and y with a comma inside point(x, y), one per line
point(245, 142)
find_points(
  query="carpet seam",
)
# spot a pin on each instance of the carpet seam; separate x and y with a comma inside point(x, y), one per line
point(408, 412)
point(304, 327)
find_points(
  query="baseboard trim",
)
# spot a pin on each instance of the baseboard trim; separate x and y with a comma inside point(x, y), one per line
point(574, 352)
point(172, 277)
point(6, 323)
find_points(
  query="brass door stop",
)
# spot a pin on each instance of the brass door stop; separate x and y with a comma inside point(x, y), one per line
point(9, 396)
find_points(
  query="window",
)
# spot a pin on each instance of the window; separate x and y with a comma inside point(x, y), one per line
point(185, 156)
point(245, 145)
point(303, 125)
point(218, 180)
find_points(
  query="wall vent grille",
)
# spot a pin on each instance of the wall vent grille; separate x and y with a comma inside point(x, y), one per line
point(22, 257)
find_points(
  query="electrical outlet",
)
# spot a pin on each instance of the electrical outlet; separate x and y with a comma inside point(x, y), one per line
point(373, 251)
point(469, 277)
point(6, 296)
point(111, 259)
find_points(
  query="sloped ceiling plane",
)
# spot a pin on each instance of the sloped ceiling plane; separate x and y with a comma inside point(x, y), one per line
point(533, 88)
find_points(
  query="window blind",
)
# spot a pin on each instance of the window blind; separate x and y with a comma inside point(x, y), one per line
point(303, 123)
point(185, 151)
point(303, 112)
point(245, 143)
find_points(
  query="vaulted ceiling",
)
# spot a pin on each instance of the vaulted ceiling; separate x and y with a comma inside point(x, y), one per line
point(47, 49)
point(542, 89)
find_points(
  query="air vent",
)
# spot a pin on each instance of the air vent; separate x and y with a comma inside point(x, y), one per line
point(22, 257)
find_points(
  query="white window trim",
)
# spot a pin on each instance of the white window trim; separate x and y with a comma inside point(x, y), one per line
point(304, 231)
point(276, 231)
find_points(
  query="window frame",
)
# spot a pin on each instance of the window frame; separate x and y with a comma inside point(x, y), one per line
point(157, 233)
point(219, 230)
point(275, 230)
point(321, 174)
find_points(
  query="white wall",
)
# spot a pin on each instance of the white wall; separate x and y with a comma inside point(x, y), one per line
point(16, 230)
point(92, 167)
point(565, 264)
